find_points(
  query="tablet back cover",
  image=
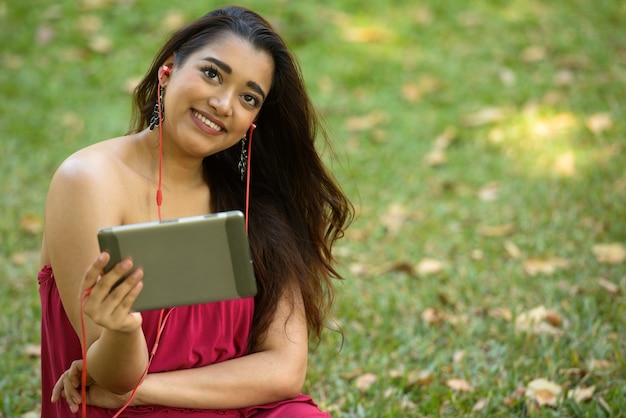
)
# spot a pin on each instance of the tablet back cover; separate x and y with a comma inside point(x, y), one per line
point(186, 261)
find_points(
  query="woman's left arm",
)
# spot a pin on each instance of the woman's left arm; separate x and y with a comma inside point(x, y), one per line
point(275, 372)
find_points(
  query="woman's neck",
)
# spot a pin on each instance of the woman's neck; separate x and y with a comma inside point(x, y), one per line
point(178, 171)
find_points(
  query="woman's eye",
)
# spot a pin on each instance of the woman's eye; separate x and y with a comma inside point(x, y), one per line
point(212, 73)
point(250, 100)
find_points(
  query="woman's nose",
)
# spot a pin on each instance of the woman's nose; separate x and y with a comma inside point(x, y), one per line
point(222, 103)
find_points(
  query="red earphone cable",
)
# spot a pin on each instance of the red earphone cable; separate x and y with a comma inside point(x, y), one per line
point(160, 327)
point(83, 377)
point(162, 316)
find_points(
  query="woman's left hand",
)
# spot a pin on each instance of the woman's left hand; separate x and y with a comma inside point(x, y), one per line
point(68, 387)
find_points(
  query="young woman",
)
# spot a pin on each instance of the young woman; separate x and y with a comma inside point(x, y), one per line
point(192, 133)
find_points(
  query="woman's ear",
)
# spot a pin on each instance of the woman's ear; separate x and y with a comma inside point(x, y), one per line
point(163, 74)
point(165, 70)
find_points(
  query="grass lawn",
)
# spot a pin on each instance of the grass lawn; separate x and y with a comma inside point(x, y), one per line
point(483, 144)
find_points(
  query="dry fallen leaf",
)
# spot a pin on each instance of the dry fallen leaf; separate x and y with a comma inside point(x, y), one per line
point(554, 318)
point(423, 15)
point(130, 84)
point(489, 192)
point(565, 164)
point(480, 405)
point(564, 77)
point(610, 287)
point(429, 266)
point(401, 267)
point(173, 20)
point(574, 61)
point(437, 155)
point(72, 122)
point(101, 44)
point(367, 122)
point(411, 92)
point(496, 230)
point(477, 254)
point(351, 374)
point(543, 391)
point(420, 378)
point(540, 321)
point(33, 350)
point(515, 396)
point(484, 116)
point(25, 257)
point(11, 61)
point(365, 381)
point(547, 266)
point(19, 259)
point(446, 138)
point(599, 123)
point(459, 385)
point(574, 372)
point(394, 218)
point(95, 4)
point(552, 126)
point(501, 313)
point(609, 253)
point(507, 76)
point(581, 394)
point(436, 158)
point(89, 24)
point(407, 404)
point(458, 356)
point(597, 364)
point(367, 34)
point(414, 91)
point(45, 34)
point(432, 316)
point(360, 270)
point(512, 250)
point(534, 53)
point(33, 224)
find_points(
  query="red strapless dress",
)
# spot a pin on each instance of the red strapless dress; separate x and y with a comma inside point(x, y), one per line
point(194, 336)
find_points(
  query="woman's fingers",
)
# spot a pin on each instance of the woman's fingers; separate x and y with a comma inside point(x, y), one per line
point(68, 386)
point(111, 296)
point(92, 275)
point(101, 284)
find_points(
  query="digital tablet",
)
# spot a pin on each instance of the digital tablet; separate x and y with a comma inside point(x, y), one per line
point(185, 261)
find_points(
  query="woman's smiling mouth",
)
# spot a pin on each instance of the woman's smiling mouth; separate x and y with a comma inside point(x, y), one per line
point(206, 121)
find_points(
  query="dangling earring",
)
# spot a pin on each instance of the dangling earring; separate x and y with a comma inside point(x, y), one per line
point(243, 158)
point(159, 111)
point(245, 149)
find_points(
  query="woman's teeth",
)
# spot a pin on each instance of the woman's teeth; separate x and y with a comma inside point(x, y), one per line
point(207, 122)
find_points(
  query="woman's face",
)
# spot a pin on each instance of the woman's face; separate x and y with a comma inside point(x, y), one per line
point(213, 97)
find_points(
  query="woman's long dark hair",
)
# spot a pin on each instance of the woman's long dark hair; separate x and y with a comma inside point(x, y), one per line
point(297, 211)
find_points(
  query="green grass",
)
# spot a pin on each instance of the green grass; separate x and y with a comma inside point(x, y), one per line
point(389, 78)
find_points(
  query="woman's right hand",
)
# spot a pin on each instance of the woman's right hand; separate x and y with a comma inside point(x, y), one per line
point(107, 304)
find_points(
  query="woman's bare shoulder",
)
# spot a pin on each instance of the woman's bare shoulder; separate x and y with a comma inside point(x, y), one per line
point(86, 193)
point(99, 165)
point(91, 176)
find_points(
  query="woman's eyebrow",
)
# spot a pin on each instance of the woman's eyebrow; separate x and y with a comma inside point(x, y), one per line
point(223, 66)
point(228, 70)
point(254, 86)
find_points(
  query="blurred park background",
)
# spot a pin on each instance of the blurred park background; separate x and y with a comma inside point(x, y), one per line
point(482, 142)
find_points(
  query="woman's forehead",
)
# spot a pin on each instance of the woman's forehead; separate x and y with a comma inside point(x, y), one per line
point(237, 56)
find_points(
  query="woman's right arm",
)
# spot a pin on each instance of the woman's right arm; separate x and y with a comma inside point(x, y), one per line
point(81, 200)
